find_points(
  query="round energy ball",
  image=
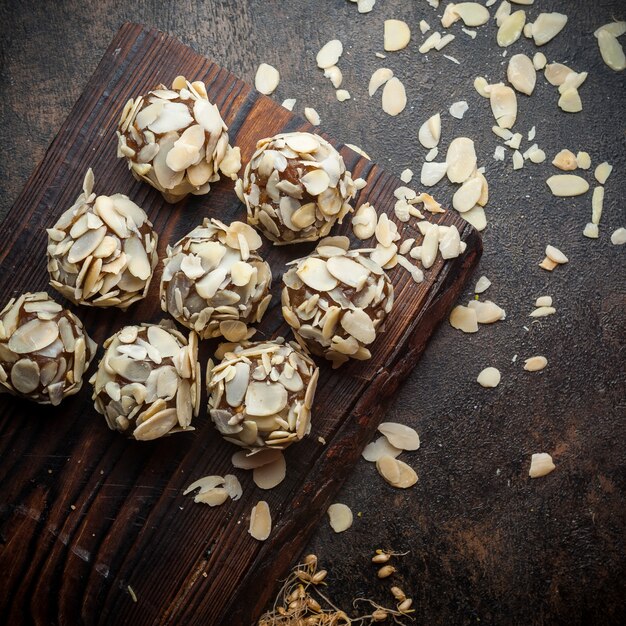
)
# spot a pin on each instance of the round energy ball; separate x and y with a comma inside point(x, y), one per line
point(214, 282)
point(295, 187)
point(176, 140)
point(261, 394)
point(335, 300)
point(148, 382)
point(44, 349)
point(102, 250)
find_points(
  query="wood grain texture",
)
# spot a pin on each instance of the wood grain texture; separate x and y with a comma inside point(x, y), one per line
point(86, 513)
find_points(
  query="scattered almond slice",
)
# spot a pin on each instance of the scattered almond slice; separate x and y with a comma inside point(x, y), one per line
point(518, 160)
point(535, 363)
point(379, 78)
point(432, 173)
point(547, 26)
point(570, 101)
point(556, 255)
point(397, 35)
point(451, 58)
point(543, 311)
point(537, 155)
point(565, 160)
point(591, 230)
point(618, 237)
point(489, 377)
point(611, 50)
point(334, 74)
point(597, 202)
point(458, 109)
point(450, 16)
point(539, 60)
point(521, 73)
point(329, 54)
point(431, 154)
point(289, 103)
point(364, 221)
point(232, 486)
point(472, 13)
point(271, 474)
point(480, 85)
point(381, 447)
point(266, 79)
point(394, 97)
point(541, 464)
point(406, 175)
point(476, 217)
point(511, 28)
point(499, 153)
point(430, 131)
point(583, 160)
point(556, 73)
point(503, 105)
point(464, 318)
point(342, 95)
point(424, 26)
point(502, 12)
point(471, 33)
point(567, 185)
point(340, 516)
point(603, 171)
point(204, 484)
point(396, 473)
point(514, 141)
point(430, 42)
point(467, 195)
point(543, 301)
point(487, 312)
point(548, 264)
point(444, 41)
point(260, 521)
point(617, 29)
point(359, 151)
point(400, 436)
point(461, 159)
point(482, 285)
point(312, 116)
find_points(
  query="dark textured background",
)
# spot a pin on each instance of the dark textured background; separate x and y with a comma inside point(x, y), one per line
point(487, 544)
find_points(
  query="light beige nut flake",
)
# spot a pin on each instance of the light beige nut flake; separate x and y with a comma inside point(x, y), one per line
point(464, 318)
point(476, 217)
point(430, 131)
point(521, 74)
point(541, 464)
point(379, 78)
point(556, 255)
point(597, 203)
point(472, 13)
point(543, 311)
point(400, 436)
point(535, 363)
point(289, 103)
point(397, 35)
point(381, 447)
point(329, 54)
point(334, 74)
point(364, 221)
point(539, 60)
point(611, 50)
point(312, 116)
point(340, 517)
point(510, 28)
point(543, 301)
point(266, 79)
point(602, 172)
point(547, 26)
point(565, 160)
point(397, 473)
point(503, 105)
point(460, 159)
point(269, 475)
point(567, 185)
point(482, 285)
point(394, 97)
point(260, 521)
point(570, 101)
point(591, 230)
point(489, 377)
point(342, 95)
point(458, 109)
point(583, 160)
point(618, 236)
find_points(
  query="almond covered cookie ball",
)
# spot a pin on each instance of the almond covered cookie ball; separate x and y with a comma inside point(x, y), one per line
point(261, 394)
point(175, 140)
point(295, 187)
point(214, 282)
point(148, 382)
point(102, 250)
point(44, 349)
point(335, 300)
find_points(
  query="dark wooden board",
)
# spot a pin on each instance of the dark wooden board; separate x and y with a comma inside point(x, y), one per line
point(86, 513)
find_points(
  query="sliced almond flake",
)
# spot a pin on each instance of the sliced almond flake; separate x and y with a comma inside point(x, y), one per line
point(503, 105)
point(212, 497)
point(430, 131)
point(312, 116)
point(573, 81)
point(329, 54)
point(565, 160)
point(407, 476)
point(406, 175)
point(511, 28)
point(521, 73)
point(444, 41)
point(487, 312)
point(389, 469)
point(340, 517)
point(603, 171)
point(467, 195)
point(394, 97)
point(266, 79)
point(597, 202)
point(556, 255)
point(204, 484)
point(270, 475)
point(431, 154)
point(335, 76)
point(289, 103)
point(618, 237)
point(583, 160)
point(489, 377)
point(591, 230)
point(537, 155)
point(472, 13)
point(430, 42)
point(397, 35)
point(381, 447)
point(539, 60)
point(481, 84)
point(548, 264)
point(482, 285)
point(461, 159)
point(567, 185)
point(471, 33)
point(617, 29)
point(450, 16)
point(365, 6)
point(535, 363)
point(458, 109)
point(424, 26)
point(547, 26)
point(570, 101)
point(380, 55)
point(543, 311)
point(464, 319)
point(499, 153)
point(232, 487)
point(543, 301)
point(502, 12)
point(400, 436)
point(541, 464)
point(476, 217)
point(379, 78)
point(364, 221)
point(260, 521)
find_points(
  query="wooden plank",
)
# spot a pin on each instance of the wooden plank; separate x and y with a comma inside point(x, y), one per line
point(130, 524)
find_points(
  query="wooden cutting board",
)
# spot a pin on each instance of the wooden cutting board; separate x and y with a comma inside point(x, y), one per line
point(85, 513)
